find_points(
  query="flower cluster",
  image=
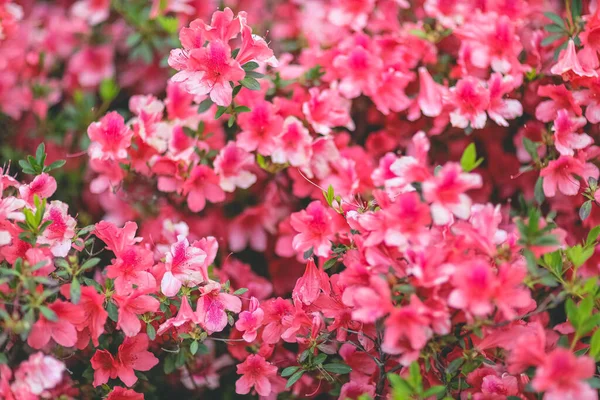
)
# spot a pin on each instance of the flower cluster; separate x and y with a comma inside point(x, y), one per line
point(375, 199)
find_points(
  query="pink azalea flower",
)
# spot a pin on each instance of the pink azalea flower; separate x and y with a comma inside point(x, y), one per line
point(105, 367)
point(94, 11)
point(91, 65)
point(120, 393)
point(184, 266)
point(389, 94)
point(359, 387)
point(470, 99)
point(207, 70)
point(201, 185)
point(368, 302)
point(117, 239)
point(315, 229)
point(250, 321)
point(500, 109)
point(184, 315)
point(560, 97)
point(212, 307)
point(475, 286)
point(130, 269)
point(40, 373)
point(60, 232)
point(309, 286)
point(62, 330)
point(563, 375)
point(42, 185)
point(407, 329)
point(566, 138)
point(10, 209)
point(561, 174)
point(223, 26)
point(254, 47)
point(110, 137)
point(232, 165)
point(445, 192)
point(327, 109)
point(430, 94)
point(568, 64)
point(294, 144)
point(256, 372)
point(132, 305)
point(358, 69)
point(133, 355)
point(259, 127)
point(92, 304)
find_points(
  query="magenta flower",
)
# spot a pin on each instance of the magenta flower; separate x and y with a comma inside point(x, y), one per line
point(255, 372)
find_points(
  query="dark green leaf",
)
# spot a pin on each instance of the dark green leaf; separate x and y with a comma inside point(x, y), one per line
point(194, 347)
point(555, 18)
point(585, 210)
point(294, 378)
point(337, 368)
point(205, 105)
point(220, 111)
point(48, 314)
point(113, 312)
point(240, 291)
point(289, 371)
point(539, 190)
point(250, 83)
point(249, 66)
point(75, 291)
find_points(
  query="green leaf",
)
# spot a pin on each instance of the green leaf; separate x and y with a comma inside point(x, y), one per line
point(329, 263)
point(579, 255)
point(240, 291)
point(220, 111)
point(576, 8)
point(539, 191)
point(108, 90)
point(75, 291)
point(554, 28)
point(169, 24)
point(150, 331)
point(320, 359)
point(454, 365)
point(294, 378)
point(113, 312)
point(308, 253)
point(585, 210)
point(48, 314)
point(557, 19)
point(531, 148)
point(205, 105)
point(419, 33)
point(231, 121)
point(592, 236)
point(595, 345)
point(242, 109)
point(250, 83)
point(552, 38)
point(133, 39)
point(250, 66)
point(255, 75)
point(55, 165)
point(594, 382)
point(337, 368)
point(469, 160)
point(289, 371)
point(89, 264)
point(194, 347)
point(40, 154)
point(434, 391)
point(572, 313)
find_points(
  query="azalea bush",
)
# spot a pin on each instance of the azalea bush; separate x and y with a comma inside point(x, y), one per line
point(366, 199)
